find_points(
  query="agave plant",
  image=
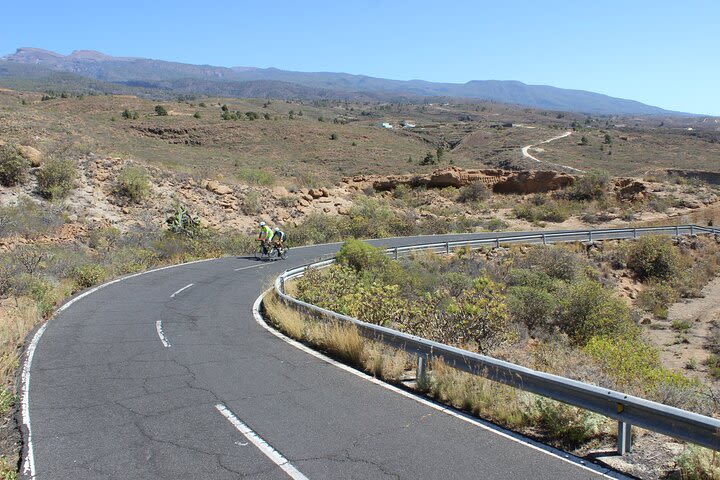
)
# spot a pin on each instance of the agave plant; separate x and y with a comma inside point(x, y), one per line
point(183, 222)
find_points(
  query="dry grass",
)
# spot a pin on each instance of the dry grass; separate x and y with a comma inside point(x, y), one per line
point(341, 341)
point(479, 396)
point(16, 320)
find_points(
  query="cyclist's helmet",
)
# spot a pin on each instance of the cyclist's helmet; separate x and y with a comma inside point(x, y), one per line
point(277, 229)
point(262, 224)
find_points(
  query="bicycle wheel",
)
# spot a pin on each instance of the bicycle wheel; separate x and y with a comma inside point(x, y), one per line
point(273, 254)
point(259, 254)
point(284, 252)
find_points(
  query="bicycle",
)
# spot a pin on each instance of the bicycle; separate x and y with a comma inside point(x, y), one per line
point(271, 252)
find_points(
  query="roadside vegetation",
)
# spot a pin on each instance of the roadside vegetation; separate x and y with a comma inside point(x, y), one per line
point(552, 308)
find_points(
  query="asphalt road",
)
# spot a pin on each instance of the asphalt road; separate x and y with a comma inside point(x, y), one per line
point(133, 382)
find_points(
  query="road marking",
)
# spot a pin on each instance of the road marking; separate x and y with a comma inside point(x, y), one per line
point(515, 437)
point(29, 461)
point(261, 444)
point(251, 266)
point(163, 338)
point(184, 288)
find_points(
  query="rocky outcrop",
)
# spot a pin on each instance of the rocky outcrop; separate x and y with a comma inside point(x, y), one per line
point(630, 189)
point(217, 188)
point(33, 155)
point(497, 180)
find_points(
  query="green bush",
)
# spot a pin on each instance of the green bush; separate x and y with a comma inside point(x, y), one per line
point(531, 306)
point(567, 425)
point(634, 365)
point(89, 274)
point(653, 256)
point(130, 115)
point(13, 166)
point(475, 192)
point(37, 287)
point(588, 309)
point(361, 256)
point(133, 183)
point(591, 186)
point(496, 224)
point(551, 211)
point(255, 176)
point(698, 463)
point(56, 178)
point(160, 111)
point(553, 261)
point(657, 298)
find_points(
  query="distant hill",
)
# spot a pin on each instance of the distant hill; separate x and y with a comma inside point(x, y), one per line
point(162, 78)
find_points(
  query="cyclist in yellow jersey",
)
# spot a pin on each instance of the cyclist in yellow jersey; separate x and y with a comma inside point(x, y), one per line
point(264, 236)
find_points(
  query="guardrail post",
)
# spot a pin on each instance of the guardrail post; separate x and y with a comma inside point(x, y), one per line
point(692, 229)
point(589, 236)
point(634, 232)
point(544, 241)
point(677, 231)
point(497, 242)
point(421, 377)
point(624, 438)
point(396, 253)
point(282, 284)
point(447, 248)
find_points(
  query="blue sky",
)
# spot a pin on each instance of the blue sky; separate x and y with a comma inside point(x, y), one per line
point(663, 53)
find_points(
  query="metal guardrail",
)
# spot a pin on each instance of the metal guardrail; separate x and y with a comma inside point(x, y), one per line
point(626, 409)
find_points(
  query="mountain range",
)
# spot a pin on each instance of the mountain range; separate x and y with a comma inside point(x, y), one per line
point(95, 71)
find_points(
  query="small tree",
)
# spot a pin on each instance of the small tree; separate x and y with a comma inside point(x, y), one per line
point(584, 141)
point(428, 160)
point(439, 153)
point(608, 139)
point(224, 108)
point(197, 115)
point(161, 111)
point(333, 136)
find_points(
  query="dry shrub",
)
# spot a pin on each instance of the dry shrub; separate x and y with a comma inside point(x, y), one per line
point(384, 362)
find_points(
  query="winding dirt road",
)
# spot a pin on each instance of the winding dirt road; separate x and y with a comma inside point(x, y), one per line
point(557, 165)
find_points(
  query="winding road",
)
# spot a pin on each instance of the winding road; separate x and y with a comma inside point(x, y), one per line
point(169, 375)
point(526, 154)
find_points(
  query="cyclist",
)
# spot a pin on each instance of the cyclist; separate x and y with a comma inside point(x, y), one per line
point(266, 233)
point(278, 238)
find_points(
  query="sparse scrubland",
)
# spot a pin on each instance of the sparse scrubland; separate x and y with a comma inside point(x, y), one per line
point(96, 187)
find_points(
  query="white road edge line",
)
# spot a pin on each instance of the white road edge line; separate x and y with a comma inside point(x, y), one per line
point(184, 288)
point(261, 444)
point(566, 457)
point(163, 338)
point(29, 461)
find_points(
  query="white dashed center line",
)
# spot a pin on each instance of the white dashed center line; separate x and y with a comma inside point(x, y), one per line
point(184, 288)
point(261, 444)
